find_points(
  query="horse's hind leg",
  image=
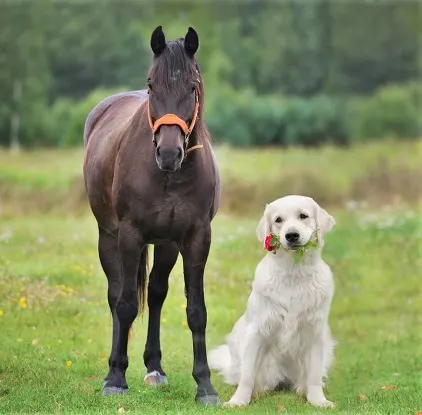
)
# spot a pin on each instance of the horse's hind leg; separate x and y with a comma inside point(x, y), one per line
point(109, 257)
point(165, 257)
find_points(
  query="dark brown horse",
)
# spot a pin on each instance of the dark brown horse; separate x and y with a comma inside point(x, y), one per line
point(151, 178)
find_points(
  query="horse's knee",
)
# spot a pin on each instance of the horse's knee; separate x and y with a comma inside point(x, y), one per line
point(126, 310)
point(157, 293)
point(197, 318)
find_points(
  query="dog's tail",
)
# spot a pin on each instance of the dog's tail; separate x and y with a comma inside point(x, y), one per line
point(219, 358)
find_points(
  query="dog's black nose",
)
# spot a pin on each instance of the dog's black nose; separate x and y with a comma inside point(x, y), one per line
point(292, 236)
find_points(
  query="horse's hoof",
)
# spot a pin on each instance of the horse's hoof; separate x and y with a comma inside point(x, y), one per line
point(155, 379)
point(113, 390)
point(208, 400)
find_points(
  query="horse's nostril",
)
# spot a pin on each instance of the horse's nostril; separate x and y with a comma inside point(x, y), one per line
point(180, 153)
point(158, 151)
point(292, 236)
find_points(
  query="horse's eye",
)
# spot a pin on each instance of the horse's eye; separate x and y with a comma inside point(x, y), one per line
point(303, 216)
point(193, 89)
point(149, 86)
point(278, 219)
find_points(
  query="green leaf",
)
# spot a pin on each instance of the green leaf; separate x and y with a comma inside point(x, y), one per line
point(298, 255)
point(311, 244)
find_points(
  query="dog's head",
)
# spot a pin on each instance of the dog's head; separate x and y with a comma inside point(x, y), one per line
point(295, 219)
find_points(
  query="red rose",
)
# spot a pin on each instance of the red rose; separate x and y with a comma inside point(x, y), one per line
point(268, 240)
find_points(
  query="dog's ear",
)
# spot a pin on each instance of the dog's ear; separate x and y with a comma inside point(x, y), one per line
point(264, 227)
point(324, 221)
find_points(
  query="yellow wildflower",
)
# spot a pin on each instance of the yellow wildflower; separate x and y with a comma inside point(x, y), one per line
point(184, 323)
point(164, 320)
point(1, 313)
point(22, 302)
point(69, 363)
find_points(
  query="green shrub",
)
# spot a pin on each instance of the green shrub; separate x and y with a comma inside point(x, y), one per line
point(61, 113)
point(73, 133)
point(315, 121)
point(245, 119)
point(36, 126)
point(265, 120)
point(394, 111)
point(225, 117)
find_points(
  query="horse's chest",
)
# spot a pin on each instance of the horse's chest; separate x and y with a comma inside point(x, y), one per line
point(173, 213)
point(170, 215)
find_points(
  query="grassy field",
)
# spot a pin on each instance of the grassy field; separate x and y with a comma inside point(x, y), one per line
point(55, 325)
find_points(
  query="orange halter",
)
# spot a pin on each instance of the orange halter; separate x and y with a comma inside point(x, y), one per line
point(172, 119)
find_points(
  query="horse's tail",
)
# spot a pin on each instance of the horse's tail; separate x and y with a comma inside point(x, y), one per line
point(143, 272)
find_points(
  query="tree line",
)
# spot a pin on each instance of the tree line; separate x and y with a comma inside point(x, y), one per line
point(295, 71)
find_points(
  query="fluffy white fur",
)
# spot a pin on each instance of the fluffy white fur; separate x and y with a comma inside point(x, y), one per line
point(283, 338)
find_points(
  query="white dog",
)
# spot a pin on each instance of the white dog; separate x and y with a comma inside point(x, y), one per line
point(283, 339)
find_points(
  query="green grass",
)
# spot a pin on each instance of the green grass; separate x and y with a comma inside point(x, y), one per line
point(54, 320)
point(49, 264)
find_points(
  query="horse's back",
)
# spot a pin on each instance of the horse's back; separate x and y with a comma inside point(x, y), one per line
point(101, 108)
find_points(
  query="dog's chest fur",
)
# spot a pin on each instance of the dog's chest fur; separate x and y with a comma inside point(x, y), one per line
point(292, 301)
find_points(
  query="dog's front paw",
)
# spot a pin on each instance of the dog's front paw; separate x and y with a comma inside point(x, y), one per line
point(316, 397)
point(321, 402)
point(236, 401)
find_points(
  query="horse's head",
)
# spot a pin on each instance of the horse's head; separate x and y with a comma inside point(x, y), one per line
point(174, 96)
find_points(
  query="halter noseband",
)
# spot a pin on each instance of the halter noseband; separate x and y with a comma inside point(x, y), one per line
point(173, 119)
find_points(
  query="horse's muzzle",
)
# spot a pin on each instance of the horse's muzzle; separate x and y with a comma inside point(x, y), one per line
point(169, 158)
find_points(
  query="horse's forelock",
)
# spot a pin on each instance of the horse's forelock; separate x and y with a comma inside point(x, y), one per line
point(173, 66)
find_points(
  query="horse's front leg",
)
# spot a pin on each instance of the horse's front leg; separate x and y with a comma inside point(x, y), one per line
point(195, 253)
point(165, 257)
point(109, 257)
point(130, 251)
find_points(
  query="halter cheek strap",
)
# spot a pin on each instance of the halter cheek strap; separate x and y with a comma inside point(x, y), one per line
point(172, 119)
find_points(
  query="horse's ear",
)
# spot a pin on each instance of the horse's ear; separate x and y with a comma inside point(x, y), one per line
point(158, 41)
point(191, 42)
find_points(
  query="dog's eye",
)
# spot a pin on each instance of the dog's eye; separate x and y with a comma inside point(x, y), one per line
point(278, 219)
point(303, 216)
